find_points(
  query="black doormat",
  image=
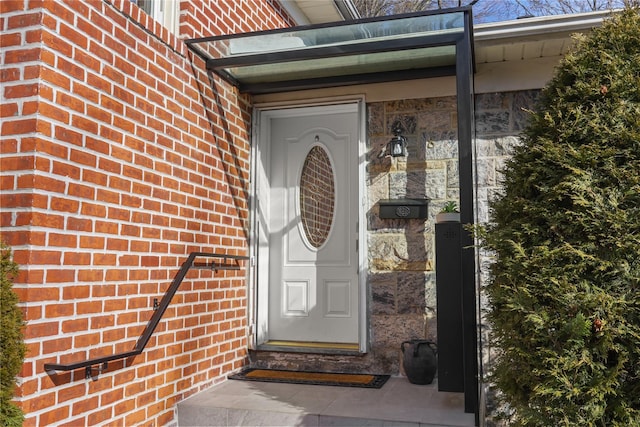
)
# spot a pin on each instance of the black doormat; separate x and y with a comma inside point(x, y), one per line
point(311, 378)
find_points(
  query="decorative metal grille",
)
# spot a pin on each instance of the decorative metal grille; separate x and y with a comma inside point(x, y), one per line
point(317, 196)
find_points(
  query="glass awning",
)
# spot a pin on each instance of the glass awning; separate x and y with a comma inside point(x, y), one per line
point(369, 50)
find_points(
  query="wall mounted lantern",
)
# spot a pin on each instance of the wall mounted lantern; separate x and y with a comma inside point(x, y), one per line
point(397, 147)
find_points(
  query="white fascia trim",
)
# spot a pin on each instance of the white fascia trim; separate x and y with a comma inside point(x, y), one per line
point(539, 25)
point(347, 9)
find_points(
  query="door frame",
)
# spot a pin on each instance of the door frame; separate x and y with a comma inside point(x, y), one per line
point(259, 245)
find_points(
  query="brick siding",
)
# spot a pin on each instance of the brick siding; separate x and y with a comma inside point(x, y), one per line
point(119, 156)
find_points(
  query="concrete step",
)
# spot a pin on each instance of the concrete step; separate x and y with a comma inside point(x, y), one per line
point(398, 403)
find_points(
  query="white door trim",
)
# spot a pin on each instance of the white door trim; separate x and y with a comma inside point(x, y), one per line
point(262, 114)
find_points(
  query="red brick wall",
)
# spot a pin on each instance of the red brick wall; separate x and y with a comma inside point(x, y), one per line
point(119, 157)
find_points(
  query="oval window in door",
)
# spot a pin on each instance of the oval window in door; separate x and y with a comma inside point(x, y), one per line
point(317, 196)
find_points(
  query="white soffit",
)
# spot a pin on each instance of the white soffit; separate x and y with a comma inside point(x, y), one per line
point(529, 38)
point(306, 12)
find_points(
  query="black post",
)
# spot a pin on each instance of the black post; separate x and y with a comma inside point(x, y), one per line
point(449, 307)
point(464, 95)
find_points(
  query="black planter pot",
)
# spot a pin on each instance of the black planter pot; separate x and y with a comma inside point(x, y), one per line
point(420, 361)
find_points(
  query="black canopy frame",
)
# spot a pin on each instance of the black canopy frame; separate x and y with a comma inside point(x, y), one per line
point(248, 71)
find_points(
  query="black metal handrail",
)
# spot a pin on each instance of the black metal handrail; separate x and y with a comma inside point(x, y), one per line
point(229, 262)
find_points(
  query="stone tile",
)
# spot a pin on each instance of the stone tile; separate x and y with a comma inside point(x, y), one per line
point(505, 145)
point(411, 288)
point(267, 418)
point(418, 226)
point(446, 103)
point(439, 145)
point(435, 120)
point(486, 172)
point(377, 224)
point(386, 251)
point(492, 101)
point(397, 227)
point(414, 149)
point(485, 147)
point(386, 359)
point(430, 289)
point(378, 188)
point(383, 293)
point(492, 122)
point(399, 424)
point(447, 418)
point(332, 421)
point(453, 194)
point(375, 118)
point(453, 173)
point(428, 183)
point(391, 331)
point(376, 148)
point(523, 103)
point(189, 416)
point(409, 105)
point(407, 122)
point(384, 406)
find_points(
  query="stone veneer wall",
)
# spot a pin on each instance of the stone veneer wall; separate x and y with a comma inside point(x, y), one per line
point(500, 118)
point(401, 252)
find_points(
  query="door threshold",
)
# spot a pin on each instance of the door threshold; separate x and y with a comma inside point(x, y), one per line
point(311, 347)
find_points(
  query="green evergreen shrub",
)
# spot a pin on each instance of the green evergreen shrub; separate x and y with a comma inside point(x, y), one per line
point(12, 347)
point(564, 291)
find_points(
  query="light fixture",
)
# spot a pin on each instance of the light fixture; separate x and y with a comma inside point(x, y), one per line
point(397, 147)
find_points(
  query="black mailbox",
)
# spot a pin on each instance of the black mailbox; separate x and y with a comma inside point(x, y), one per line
point(403, 208)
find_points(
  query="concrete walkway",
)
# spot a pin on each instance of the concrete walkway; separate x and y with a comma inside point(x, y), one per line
point(397, 403)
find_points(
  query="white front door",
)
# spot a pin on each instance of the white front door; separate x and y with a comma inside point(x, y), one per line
point(310, 219)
